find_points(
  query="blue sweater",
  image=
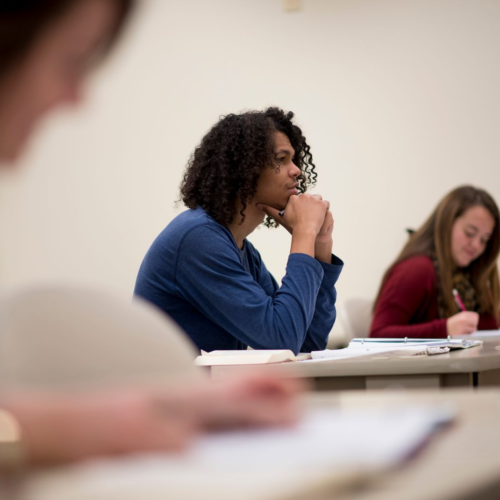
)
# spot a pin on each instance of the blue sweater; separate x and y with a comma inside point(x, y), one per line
point(225, 298)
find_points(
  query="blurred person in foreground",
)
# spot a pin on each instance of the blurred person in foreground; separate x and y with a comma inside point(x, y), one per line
point(47, 48)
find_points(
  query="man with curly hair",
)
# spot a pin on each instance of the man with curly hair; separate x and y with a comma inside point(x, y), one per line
point(203, 271)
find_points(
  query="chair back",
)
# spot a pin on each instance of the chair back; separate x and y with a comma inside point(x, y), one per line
point(356, 317)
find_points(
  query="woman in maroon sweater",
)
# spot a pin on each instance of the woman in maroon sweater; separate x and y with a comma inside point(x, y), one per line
point(445, 281)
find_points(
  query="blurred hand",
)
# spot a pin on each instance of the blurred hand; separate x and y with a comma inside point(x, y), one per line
point(252, 400)
point(64, 428)
point(463, 323)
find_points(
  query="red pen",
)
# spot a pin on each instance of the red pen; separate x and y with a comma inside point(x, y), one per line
point(458, 300)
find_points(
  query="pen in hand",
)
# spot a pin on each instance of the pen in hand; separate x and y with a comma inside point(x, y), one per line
point(458, 300)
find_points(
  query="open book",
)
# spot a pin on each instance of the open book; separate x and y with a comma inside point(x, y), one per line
point(250, 357)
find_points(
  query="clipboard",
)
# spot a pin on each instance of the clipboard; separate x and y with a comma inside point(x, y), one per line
point(396, 342)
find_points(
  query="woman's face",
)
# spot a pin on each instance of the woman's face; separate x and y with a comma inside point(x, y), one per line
point(52, 72)
point(470, 234)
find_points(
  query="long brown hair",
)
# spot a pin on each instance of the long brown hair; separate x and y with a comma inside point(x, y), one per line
point(434, 237)
point(22, 22)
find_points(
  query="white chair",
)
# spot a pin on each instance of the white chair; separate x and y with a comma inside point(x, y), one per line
point(64, 337)
point(356, 315)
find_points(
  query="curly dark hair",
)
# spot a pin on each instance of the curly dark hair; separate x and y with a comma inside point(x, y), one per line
point(228, 162)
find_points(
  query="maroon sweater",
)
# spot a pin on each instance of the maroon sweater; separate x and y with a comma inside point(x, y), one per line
point(408, 303)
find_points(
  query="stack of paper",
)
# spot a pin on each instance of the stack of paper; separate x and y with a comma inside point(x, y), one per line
point(394, 348)
point(452, 343)
point(375, 351)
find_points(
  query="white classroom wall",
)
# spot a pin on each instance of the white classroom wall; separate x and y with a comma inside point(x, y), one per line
point(399, 100)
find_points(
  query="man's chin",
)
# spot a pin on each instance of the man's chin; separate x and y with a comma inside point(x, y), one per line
point(276, 206)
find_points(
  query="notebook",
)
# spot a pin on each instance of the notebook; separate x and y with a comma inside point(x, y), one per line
point(249, 357)
point(407, 342)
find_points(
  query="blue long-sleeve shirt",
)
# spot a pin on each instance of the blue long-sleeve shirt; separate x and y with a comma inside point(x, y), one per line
point(225, 298)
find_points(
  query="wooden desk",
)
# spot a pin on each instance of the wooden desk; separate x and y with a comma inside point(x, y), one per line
point(474, 367)
point(460, 463)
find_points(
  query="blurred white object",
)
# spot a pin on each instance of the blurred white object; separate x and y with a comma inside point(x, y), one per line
point(255, 464)
point(64, 337)
point(484, 333)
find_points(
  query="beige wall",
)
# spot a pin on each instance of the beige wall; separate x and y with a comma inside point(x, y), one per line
point(399, 100)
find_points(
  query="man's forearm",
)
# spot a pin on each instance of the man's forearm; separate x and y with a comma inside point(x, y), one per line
point(323, 252)
point(303, 242)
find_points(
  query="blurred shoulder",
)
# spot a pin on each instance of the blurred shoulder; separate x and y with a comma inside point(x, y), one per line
point(417, 263)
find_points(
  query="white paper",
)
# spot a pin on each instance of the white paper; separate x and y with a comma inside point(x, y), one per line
point(372, 351)
point(454, 343)
point(485, 333)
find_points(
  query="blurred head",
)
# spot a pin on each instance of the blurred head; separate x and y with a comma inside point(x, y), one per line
point(46, 50)
point(254, 157)
point(463, 232)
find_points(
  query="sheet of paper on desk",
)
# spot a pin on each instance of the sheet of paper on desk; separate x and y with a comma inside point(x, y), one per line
point(254, 464)
point(452, 343)
point(485, 333)
point(371, 351)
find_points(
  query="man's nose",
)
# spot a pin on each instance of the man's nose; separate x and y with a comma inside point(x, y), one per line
point(294, 171)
